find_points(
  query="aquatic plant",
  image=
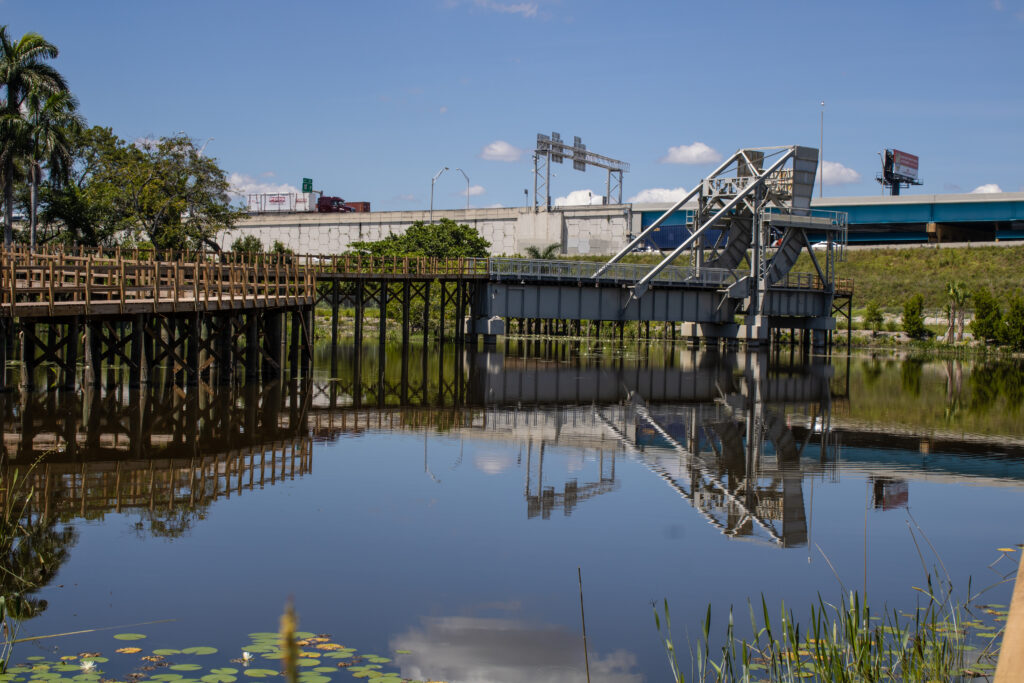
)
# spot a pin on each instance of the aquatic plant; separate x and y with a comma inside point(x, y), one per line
point(943, 639)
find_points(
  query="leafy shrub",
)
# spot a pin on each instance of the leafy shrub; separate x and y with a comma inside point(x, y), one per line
point(913, 318)
point(1013, 324)
point(873, 316)
point(988, 318)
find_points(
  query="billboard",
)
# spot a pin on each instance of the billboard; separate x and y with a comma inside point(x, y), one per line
point(904, 165)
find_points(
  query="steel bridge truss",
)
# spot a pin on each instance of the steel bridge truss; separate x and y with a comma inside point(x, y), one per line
point(749, 220)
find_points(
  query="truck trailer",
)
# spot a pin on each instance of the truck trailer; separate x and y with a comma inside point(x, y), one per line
point(301, 202)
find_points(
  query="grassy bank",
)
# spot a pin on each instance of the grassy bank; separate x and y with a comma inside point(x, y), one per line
point(890, 276)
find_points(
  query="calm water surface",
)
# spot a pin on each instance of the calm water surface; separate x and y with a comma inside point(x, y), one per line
point(439, 504)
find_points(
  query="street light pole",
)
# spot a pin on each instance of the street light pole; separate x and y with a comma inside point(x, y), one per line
point(432, 181)
point(467, 186)
point(821, 153)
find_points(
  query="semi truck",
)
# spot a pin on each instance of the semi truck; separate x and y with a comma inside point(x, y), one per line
point(301, 202)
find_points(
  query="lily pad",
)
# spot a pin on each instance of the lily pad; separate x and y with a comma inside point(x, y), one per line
point(128, 650)
point(129, 636)
point(306, 661)
point(166, 652)
point(259, 648)
point(315, 678)
point(264, 634)
point(95, 659)
point(403, 652)
point(67, 667)
point(199, 650)
point(302, 635)
point(325, 669)
point(218, 678)
point(260, 673)
point(166, 677)
point(184, 667)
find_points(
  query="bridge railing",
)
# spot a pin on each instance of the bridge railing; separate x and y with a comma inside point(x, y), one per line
point(584, 271)
point(72, 284)
point(367, 265)
point(841, 286)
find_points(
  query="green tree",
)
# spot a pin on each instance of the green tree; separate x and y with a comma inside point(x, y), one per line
point(1013, 323)
point(988, 318)
point(956, 295)
point(913, 318)
point(164, 191)
point(84, 210)
point(53, 123)
point(250, 244)
point(23, 69)
point(548, 252)
point(873, 317)
point(444, 239)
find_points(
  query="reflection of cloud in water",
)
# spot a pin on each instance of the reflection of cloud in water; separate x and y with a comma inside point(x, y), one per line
point(478, 650)
point(493, 463)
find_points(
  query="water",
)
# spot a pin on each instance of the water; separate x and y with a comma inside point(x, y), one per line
point(441, 504)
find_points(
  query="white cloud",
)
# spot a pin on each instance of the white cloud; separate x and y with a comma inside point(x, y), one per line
point(837, 174)
point(657, 195)
point(527, 10)
point(987, 188)
point(241, 184)
point(406, 197)
point(499, 150)
point(497, 205)
point(579, 198)
point(473, 191)
point(443, 110)
point(697, 153)
point(506, 650)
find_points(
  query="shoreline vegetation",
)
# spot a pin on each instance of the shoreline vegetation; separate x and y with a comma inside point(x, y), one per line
point(941, 638)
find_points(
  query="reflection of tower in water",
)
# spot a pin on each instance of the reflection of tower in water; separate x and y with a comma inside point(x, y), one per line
point(542, 499)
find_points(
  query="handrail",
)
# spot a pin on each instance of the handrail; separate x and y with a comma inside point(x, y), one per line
point(59, 280)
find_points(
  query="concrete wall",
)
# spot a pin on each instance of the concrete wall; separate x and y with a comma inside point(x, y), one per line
point(578, 230)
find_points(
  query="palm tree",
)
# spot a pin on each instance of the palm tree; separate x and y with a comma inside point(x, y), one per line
point(957, 294)
point(23, 69)
point(53, 125)
point(548, 252)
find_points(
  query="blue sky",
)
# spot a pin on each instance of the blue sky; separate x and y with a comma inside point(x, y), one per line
point(371, 98)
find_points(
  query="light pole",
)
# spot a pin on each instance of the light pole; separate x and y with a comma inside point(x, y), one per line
point(821, 153)
point(432, 181)
point(467, 186)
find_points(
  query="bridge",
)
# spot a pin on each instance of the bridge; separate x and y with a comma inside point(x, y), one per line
point(200, 316)
point(981, 217)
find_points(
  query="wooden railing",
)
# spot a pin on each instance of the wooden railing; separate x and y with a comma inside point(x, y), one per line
point(365, 265)
point(75, 283)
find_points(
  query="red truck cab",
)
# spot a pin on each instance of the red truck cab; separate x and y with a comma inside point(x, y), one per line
point(332, 205)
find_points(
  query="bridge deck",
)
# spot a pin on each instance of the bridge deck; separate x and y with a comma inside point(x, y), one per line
point(58, 284)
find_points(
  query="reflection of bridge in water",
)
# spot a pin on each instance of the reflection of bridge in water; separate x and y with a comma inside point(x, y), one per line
point(733, 437)
point(165, 453)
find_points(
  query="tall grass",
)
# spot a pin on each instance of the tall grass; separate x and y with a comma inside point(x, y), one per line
point(942, 639)
point(843, 643)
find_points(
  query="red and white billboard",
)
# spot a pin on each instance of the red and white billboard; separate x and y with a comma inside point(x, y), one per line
point(904, 164)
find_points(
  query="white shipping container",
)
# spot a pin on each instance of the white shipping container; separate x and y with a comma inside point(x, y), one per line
point(282, 202)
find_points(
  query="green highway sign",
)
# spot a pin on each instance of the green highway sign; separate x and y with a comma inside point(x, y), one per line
point(307, 184)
